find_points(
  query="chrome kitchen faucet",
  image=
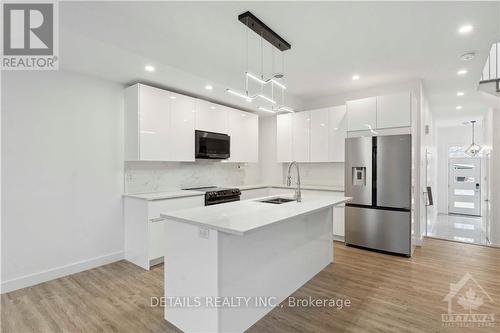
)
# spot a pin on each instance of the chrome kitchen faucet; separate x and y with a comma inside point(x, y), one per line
point(298, 195)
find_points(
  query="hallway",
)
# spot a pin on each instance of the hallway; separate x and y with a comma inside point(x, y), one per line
point(459, 228)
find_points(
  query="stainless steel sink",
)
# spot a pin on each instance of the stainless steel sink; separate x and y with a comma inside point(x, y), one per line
point(277, 201)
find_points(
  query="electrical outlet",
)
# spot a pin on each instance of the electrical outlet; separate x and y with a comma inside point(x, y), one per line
point(204, 233)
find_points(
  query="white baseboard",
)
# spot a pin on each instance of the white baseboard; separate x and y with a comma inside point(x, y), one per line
point(57, 272)
point(338, 238)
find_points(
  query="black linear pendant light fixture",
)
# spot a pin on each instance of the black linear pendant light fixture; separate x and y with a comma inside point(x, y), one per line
point(266, 103)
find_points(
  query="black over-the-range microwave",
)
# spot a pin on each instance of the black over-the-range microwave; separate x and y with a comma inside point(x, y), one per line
point(211, 145)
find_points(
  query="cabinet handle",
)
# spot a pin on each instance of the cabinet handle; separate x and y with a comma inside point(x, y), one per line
point(156, 219)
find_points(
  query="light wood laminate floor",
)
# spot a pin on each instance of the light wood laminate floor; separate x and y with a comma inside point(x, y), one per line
point(388, 294)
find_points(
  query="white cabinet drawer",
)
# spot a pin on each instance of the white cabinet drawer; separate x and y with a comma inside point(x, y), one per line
point(156, 239)
point(155, 208)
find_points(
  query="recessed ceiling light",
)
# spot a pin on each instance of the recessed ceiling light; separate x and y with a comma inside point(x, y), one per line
point(462, 72)
point(209, 87)
point(173, 97)
point(458, 107)
point(149, 68)
point(467, 56)
point(465, 29)
point(355, 77)
point(460, 93)
point(212, 107)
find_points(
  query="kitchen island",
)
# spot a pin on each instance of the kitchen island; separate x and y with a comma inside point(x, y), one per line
point(228, 265)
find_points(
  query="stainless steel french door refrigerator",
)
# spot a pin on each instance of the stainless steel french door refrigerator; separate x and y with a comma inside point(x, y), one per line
point(378, 178)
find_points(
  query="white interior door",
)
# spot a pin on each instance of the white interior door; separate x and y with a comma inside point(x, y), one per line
point(464, 186)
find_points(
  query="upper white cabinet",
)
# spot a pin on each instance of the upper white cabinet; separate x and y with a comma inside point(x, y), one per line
point(319, 135)
point(211, 117)
point(301, 122)
point(159, 125)
point(243, 128)
point(312, 136)
point(337, 133)
point(394, 110)
point(362, 114)
point(154, 122)
point(182, 119)
point(284, 137)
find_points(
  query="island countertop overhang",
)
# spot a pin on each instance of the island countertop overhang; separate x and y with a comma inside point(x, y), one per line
point(241, 217)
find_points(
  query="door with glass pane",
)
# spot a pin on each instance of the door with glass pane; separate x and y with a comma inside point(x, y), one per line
point(464, 186)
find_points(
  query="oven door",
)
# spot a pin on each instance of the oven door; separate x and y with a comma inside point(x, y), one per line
point(211, 145)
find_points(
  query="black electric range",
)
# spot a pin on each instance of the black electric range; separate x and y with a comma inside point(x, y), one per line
point(216, 195)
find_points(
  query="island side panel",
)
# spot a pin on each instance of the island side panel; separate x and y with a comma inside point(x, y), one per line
point(191, 270)
point(272, 261)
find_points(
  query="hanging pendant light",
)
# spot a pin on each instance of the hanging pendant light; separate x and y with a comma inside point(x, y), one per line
point(474, 148)
point(276, 80)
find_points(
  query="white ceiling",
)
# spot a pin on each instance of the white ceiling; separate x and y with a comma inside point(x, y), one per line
point(193, 44)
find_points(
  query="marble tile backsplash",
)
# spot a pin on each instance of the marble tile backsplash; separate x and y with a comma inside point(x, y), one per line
point(327, 174)
point(145, 177)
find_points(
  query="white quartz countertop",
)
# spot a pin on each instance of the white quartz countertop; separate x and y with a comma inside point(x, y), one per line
point(190, 193)
point(241, 217)
point(165, 195)
point(304, 187)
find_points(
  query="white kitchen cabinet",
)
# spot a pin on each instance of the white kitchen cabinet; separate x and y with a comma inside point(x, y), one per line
point(149, 110)
point(338, 211)
point(339, 221)
point(319, 138)
point(181, 134)
point(337, 131)
point(362, 114)
point(211, 117)
point(284, 138)
point(144, 228)
point(394, 110)
point(300, 136)
point(243, 128)
point(159, 125)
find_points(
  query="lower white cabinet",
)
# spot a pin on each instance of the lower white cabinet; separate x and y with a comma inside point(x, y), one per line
point(144, 228)
point(338, 212)
point(339, 221)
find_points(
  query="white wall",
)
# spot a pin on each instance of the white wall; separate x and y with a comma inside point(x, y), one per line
point(495, 184)
point(447, 136)
point(62, 175)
